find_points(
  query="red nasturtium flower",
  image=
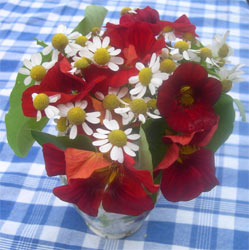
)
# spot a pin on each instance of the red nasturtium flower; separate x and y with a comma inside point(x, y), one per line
point(186, 99)
point(148, 15)
point(181, 27)
point(93, 179)
point(188, 169)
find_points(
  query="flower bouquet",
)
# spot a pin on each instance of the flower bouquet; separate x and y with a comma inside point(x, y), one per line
point(139, 106)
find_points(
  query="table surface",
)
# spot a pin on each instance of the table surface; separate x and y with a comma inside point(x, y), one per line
point(31, 217)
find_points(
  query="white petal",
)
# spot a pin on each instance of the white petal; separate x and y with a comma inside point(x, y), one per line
point(141, 118)
point(102, 131)
point(128, 131)
point(108, 115)
point(38, 116)
point(137, 89)
point(99, 95)
point(156, 66)
point(105, 42)
point(100, 142)
point(120, 156)
point(73, 132)
point(108, 124)
point(36, 59)
point(93, 114)
point(152, 89)
point(92, 120)
point(100, 136)
point(132, 146)
point(153, 116)
point(27, 64)
point(133, 136)
point(117, 60)
point(54, 98)
point(152, 60)
point(115, 153)
point(114, 52)
point(139, 66)
point(113, 66)
point(122, 92)
point(83, 104)
point(133, 79)
point(156, 82)
point(105, 148)
point(142, 92)
point(63, 110)
point(74, 35)
point(51, 111)
point(87, 129)
point(114, 124)
point(121, 110)
point(185, 55)
point(163, 76)
point(47, 50)
point(97, 42)
point(128, 151)
point(27, 80)
point(24, 71)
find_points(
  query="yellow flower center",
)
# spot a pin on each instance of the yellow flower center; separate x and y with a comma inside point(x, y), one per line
point(95, 31)
point(37, 73)
point(82, 63)
point(223, 51)
point(167, 29)
point(167, 65)
point(221, 62)
point(188, 149)
point(101, 56)
point(138, 106)
point(59, 41)
point(125, 10)
point(111, 102)
point(226, 85)
point(145, 76)
point(205, 52)
point(62, 124)
point(181, 45)
point(41, 101)
point(76, 115)
point(188, 36)
point(117, 138)
point(186, 97)
point(81, 40)
point(151, 104)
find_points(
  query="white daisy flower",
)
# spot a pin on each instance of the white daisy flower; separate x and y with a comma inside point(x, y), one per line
point(112, 100)
point(76, 115)
point(182, 50)
point(41, 103)
point(148, 77)
point(137, 109)
point(63, 42)
point(219, 47)
point(169, 34)
point(102, 54)
point(34, 69)
point(116, 141)
point(78, 64)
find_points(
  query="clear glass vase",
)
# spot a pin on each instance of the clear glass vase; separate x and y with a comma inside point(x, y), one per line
point(111, 225)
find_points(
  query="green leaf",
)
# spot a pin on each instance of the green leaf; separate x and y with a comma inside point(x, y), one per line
point(223, 108)
point(241, 109)
point(17, 125)
point(154, 130)
point(63, 142)
point(144, 155)
point(94, 17)
point(41, 43)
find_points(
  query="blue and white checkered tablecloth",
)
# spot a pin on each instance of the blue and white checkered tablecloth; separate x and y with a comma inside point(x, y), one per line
point(31, 217)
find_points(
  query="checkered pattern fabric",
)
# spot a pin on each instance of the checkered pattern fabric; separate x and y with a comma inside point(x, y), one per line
point(31, 217)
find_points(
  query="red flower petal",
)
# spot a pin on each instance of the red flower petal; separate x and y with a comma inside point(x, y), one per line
point(185, 181)
point(81, 163)
point(85, 193)
point(54, 159)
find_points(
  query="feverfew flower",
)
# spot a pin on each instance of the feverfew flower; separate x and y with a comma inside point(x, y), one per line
point(63, 42)
point(182, 50)
point(112, 100)
point(41, 103)
point(116, 141)
point(148, 77)
point(102, 54)
point(136, 109)
point(76, 115)
point(34, 69)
